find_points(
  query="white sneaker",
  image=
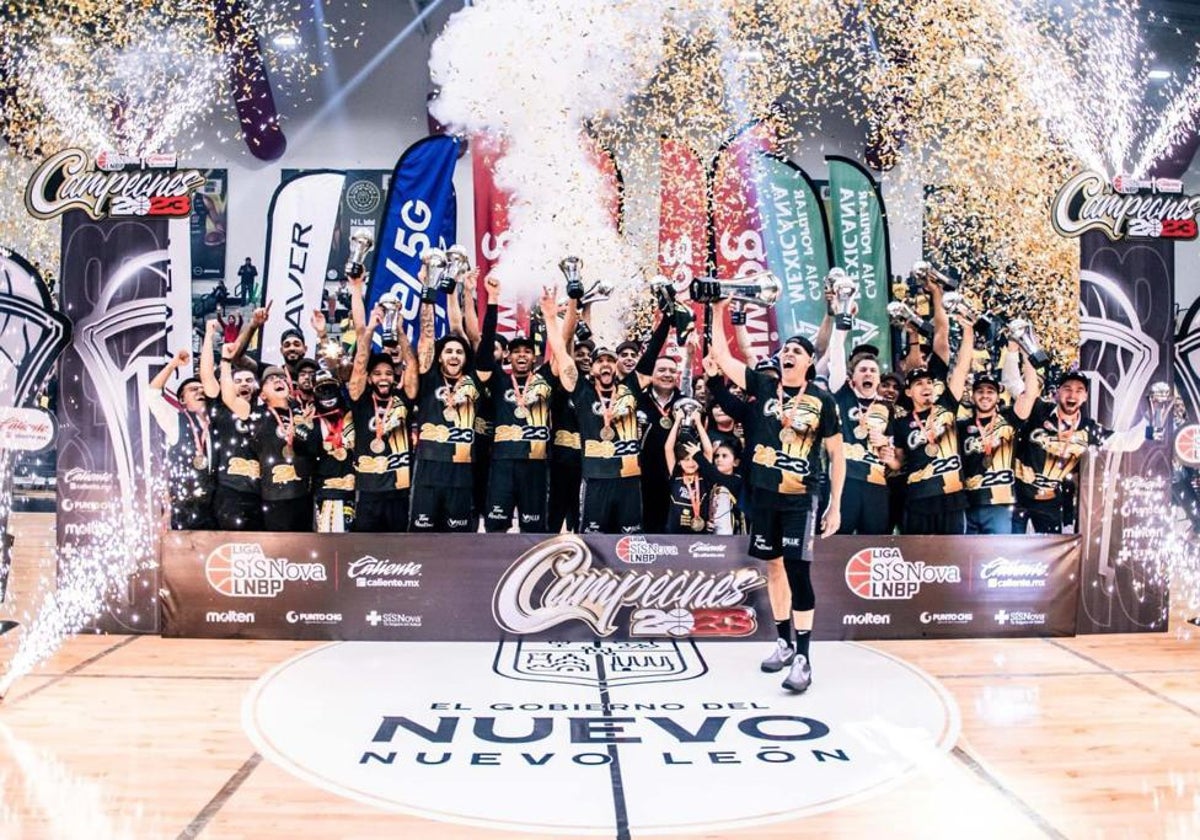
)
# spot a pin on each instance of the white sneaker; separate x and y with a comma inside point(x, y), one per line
point(780, 658)
point(799, 678)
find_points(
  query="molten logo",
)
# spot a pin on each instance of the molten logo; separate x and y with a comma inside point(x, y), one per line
point(884, 574)
point(242, 570)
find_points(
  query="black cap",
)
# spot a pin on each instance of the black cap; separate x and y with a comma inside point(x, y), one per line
point(521, 341)
point(892, 377)
point(803, 342)
point(604, 351)
point(307, 364)
point(916, 374)
point(291, 332)
point(986, 377)
point(1077, 375)
point(629, 345)
point(325, 379)
point(189, 381)
point(865, 350)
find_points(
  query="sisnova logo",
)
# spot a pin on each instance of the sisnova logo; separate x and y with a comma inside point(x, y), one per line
point(242, 570)
point(884, 574)
point(637, 549)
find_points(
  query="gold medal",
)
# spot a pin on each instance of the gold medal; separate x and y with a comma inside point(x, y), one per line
point(607, 433)
point(288, 452)
point(860, 433)
point(520, 413)
point(665, 421)
point(931, 450)
point(377, 446)
point(698, 525)
point(787, 435)
point(200, 462)
point(450, 415)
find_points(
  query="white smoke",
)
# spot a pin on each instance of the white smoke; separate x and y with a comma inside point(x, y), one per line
point(532, 72)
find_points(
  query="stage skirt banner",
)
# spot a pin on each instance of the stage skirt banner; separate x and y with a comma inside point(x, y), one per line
point(858, 223)
point(300, 226)
point(491, 230)
point(737, 228)
point(683, 224)
point(1126, 326)
point(468, 587)
point(797, 243)
point(422, 212)
point(946, 587)
point(117, 288)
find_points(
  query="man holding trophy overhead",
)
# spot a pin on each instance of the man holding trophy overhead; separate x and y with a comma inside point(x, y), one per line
point(794, 422)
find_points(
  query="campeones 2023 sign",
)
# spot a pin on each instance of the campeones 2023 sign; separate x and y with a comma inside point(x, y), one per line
point(111, 186)
point(1125, 208)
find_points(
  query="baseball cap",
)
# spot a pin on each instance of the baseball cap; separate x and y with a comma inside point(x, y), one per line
point(520, 341)
point(626, 345)
point(273, 370)
point(604, 351)
point(1073, 374)
point(865, 350)
point(291, 332)
point(803, 342)
point(986, 377)
point(916, 374)
point(307, 364)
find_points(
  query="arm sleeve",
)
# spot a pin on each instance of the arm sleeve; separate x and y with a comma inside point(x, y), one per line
point(654, 346)
point(710, 473)
point(736, 408)
point(485, 359)
point(164, 415)
point(1010, 375)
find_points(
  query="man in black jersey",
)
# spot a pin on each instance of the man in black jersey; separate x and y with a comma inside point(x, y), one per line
point(869, 435)
point(381, 412)
point(606, 407)
point(988, 439)
point(1052, 441)
point(521, 444)
point(333, 479)
point(656, 402)
point(448, 392)
point(792, 421)
point(190, 481)
point(566, 452)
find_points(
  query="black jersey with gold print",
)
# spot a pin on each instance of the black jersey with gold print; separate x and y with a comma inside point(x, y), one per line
point(1049, 450)
point(611, 454)
point(564, 428)
point(447, 417)
point(522, 414)
point(932, 463)
point(987, 456)
point(859, 415)
point(385, 420)
point(787, 458)
point(235, 458)
point(286, 460)
point(334, 476)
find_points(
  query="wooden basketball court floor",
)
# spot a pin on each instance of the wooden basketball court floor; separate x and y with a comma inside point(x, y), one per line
point(141, 737)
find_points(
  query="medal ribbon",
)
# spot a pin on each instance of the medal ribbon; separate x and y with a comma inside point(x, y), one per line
point(518, 390)
point(199, 434)
point(291, 426)
point(380, 416)
point(692, 487)
point(606, 406)
point(451, 393)
point(987, 434)
point(334, 438)
point(1065, 430)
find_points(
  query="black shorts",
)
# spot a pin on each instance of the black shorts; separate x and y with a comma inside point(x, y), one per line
point(441, 509)
point(945, 522)
point(566, 477)
point(781, 526)
point(1046, 516)
point(381, 513)
point(237, 511)
point(864, 508)
point(288, 514)
point(520, 484)
point(611, 506)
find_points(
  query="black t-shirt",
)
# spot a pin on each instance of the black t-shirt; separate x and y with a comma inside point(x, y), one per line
point(932, 464)
point(564, 427)
point(788, 460)
point(186, 481)
point(334, 476)
point(690, 506)
point(385, 420)
point(617, 457)
point(522, 408)
point(235, 457)
point(448, 419)
point(987, 457)
point(859, 415)
point(285, 475)
point(1049, 451)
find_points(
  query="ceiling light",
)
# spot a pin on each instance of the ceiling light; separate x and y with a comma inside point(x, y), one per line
point(1159, 75)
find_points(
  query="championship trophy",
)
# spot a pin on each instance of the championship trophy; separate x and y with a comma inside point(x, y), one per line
point(434, 260)
point(571, 268)
point(390, 327)
point(360, 244)
point(664, 292)
point(845, 292)
point(600, 292)
point(762, 289)
point(901, 315)
point(458, 263)
point(987, 327)
point(1021, 331)
point(687, 412)
point(1162, 401)
point(923, 271)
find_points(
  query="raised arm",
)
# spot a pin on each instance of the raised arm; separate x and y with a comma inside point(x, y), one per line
point(561, 357)
point(358, 305)
point(826, 329)
point(833, 363)
point(471, 307)
point(725, 360)
point(645, 365)
point(962, 363)
point(208, 368)
point(237, 405)
point(941, 322)
point(485, 358)
point(362, 353)
point(164, 415)
point(260, 317)
point(1023, 405)
point(669, 445)
point(454, 317)
point(425, 339)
